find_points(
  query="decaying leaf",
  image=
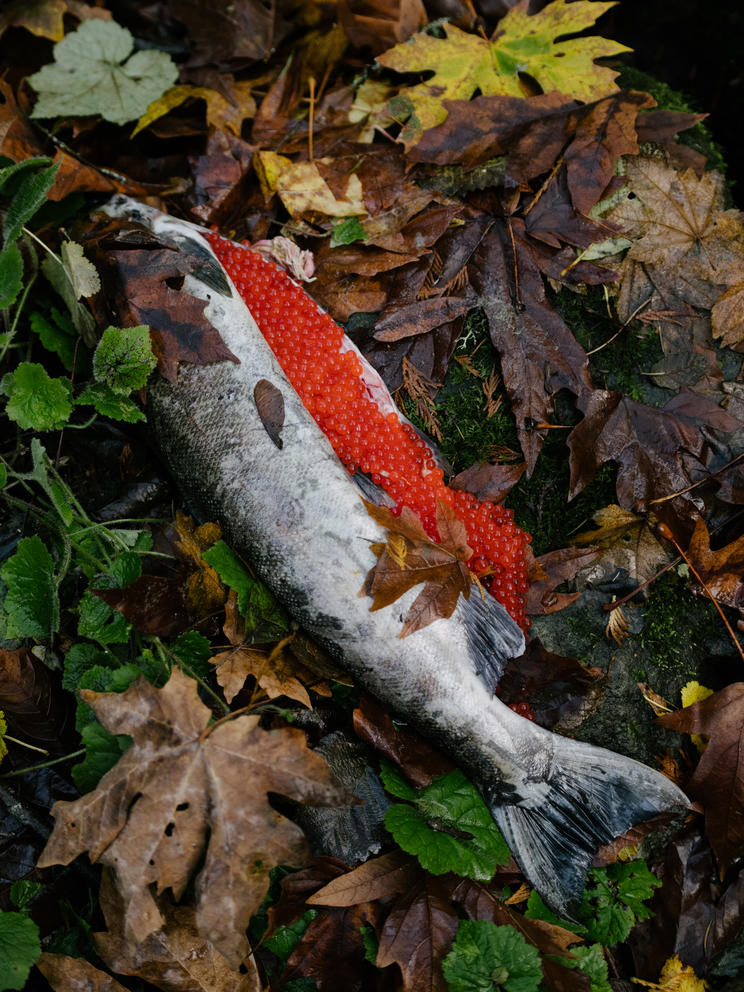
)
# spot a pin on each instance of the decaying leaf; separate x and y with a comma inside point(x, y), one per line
point(303, 190)
point(270, 407)
point(273, 668)
point(186, 791)
point(411, 557)
point(718, 782)
point(625, 540)
point(67, 974)
point(720, 570)
point(204, 591)
point(378, 878)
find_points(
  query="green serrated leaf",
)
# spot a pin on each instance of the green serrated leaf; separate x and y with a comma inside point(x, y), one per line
point(8, 172)
point(450, 829)
point(100, 622)
point(613, 900)
point(102, 751)
point(20, 949)
point(36, 401)
point(110, 404)
point(95, 72)
point(62, 280)
point(55, 336)
point(11, 274)
point(286, 938)
point(537, 910)
point(485, 957)
point(395, 783)
point(81, 658)
point(123, 359)
point(591, 960)
point(30, 195)
point(347, 231)
point(193, 650)
point(31, 605)
point(264, 619)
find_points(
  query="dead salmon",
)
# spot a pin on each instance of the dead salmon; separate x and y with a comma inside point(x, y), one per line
point(298, 517)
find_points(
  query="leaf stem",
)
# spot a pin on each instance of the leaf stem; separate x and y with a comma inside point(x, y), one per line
point(44, 764)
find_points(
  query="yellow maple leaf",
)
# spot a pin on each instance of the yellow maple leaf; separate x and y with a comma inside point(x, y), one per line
point(303, 190)
point(693, 692)
point(523, 45)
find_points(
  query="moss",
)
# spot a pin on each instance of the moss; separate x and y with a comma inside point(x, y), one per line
point(677, 626)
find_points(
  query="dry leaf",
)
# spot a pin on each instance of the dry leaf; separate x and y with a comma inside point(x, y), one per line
point(378, 878)
point(187, 794)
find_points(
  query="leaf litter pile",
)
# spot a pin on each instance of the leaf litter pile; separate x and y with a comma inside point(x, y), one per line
point(547, 273)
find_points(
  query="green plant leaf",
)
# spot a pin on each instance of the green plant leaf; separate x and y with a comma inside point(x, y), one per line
point(30, 195)
point(20, 949)
point(123, 359)
point(11, 274)
point(613, 902)
point(94, 72)
point(36, 401)
point(8, 172)
point(73, 277)
point(81, 658)
point(264, 619)
point(23, 892)
point(102, 751)
point(31, 605)
point(591, 960)
point(100, 622)
point(347, 231)
point(193, 650)
point(395, 783)
point(110, 404)
point(449, 829)
point(485, 957)
point(286, 938)
point(57, 335)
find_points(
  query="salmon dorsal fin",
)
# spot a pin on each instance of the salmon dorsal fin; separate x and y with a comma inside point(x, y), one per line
point(494, 637)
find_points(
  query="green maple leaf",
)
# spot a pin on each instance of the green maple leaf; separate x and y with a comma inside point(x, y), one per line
point(95, 72)
point(525, 44)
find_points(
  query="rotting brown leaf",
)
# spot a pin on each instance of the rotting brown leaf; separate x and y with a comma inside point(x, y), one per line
point(184, 792)
point(718, 781)
point(68, 974)
point(625, 540)
point(722, 570)
point(410, 557)
point(378, 878)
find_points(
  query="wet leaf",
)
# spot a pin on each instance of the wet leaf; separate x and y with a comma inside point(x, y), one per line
point(717, 782)
point(627, 541)
point(410, 557)
point(486, 954)
point(463, 63)
point(720, 570)
point(67, 974)
point(35, 399)
point(270, 406)
point(184, 784)
point(30, 607)
point(303, 190)
point(19, 948)
point(378, 878)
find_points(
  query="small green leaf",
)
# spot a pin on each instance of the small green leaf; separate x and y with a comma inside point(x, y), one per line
point(11, 274)
point(450, 829)
point(613, 901)
point(591, 960)
point(23, 892)
point(8, 172)
point(111, 404)
point(27, 199)
point(264, 619)
point(395, 783)
point(485, 957)
point(31, 604)
point(36, 401)
point(123, 359)
point(94, 72)
point(193, 650)
point(100, 622)
point(102, 751)
point(57, 335)
point(20, 949)
point(371, 944)
point(347, 231)
point(81, 658)
point(3, 475)
point(285, 939)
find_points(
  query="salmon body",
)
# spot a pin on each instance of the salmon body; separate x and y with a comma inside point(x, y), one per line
point(298, 517)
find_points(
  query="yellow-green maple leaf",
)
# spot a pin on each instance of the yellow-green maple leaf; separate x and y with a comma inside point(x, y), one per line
point(523, 44)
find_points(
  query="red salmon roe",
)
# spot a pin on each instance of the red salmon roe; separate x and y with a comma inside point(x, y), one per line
point(308, 344)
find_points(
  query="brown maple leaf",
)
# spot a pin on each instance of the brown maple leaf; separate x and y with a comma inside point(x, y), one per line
point(550, 570)
point(274, 671)
point(410, 557)
point(718, 781)
point(625, 540)
point(143, 276)
point(186, 794)
point(722, 571)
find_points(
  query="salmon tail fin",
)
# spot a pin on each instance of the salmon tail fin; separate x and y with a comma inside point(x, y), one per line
point(591, 797)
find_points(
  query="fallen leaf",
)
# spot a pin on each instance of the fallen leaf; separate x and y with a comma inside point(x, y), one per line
point(154, 604)
point(244, 31)
point(185, 791)
point(463, 63)
point(205, 593)
point(31, 705)
point(303, 190)
point(718, 782)
point(378, 25)
point(272, 669)
point(417, 759)
point(625, 540)
point(221, 175)
point(418, 934)
point(66, 974)
point(550, 570)
point(720, 570)
point(488, 482)
point(175, 957)
point(270, 406)
point(378, 878)
point(139, 274)
point(410, 557)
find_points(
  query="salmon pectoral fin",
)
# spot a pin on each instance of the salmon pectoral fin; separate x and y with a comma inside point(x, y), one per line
point(591, 797)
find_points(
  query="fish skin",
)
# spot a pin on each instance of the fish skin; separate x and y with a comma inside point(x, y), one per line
point(298, 517)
